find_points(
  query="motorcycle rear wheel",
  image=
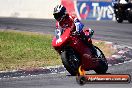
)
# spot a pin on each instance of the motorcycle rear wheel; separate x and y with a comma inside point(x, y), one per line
point(71, 61)
point(103, 65)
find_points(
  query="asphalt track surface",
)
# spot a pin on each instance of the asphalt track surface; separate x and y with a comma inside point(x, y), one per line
point(104, 30)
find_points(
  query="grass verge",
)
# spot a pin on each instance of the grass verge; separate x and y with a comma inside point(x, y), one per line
point(21, 50)
point(25, 50)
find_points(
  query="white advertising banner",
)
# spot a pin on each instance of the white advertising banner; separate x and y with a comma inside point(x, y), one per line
point(28, 8)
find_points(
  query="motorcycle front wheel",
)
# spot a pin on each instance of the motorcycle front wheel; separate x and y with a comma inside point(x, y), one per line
point(119, 19)
point(130, 16)
point(71, 61)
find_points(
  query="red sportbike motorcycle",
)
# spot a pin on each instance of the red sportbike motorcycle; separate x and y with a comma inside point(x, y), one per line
point(74, 53)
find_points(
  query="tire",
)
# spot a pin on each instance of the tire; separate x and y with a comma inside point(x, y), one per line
point(119, 20)
point(130, 20)
point(130, 17)
point(71, 61)
point(103, 65)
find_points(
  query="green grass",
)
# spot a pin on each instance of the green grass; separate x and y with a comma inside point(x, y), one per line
point(22, 50)
point(26, 50)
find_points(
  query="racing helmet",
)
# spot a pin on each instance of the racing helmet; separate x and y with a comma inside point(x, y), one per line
point(59, 12)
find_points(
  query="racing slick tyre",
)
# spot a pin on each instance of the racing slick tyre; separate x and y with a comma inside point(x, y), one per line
point(130, 19)
point(71, 61)
point(119, 20)
point(130, 16)
point(103, 65)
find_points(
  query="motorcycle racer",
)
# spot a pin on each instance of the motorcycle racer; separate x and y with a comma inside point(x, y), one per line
point(65, 20)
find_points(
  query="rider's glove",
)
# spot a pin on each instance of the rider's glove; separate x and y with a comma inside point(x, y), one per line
point(91, 32)
point(79, 25)
point(75, 33)
point(58, 40)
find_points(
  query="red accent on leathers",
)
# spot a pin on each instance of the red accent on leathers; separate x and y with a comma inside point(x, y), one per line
point(68, 21)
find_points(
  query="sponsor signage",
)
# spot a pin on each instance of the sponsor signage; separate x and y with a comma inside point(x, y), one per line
point(107, 78)
point(93, 9)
